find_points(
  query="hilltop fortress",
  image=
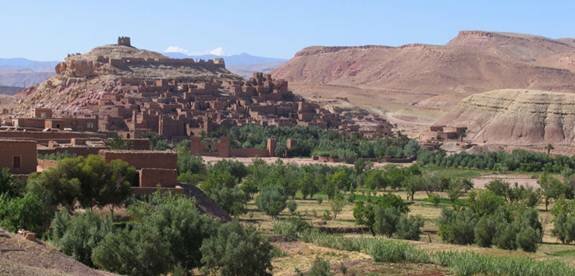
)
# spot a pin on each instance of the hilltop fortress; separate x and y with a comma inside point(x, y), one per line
point(124, 90)
point(123, 57)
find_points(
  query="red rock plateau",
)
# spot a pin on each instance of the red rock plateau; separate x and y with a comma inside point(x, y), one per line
point(416, 84)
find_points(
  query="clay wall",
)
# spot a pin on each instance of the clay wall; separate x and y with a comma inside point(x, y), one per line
point(29, 123)
point(20, 157)
point(76, 124)
point(143, 158)
point(41, 136)
point(76, 151)
point(138, 144)
point(42, 113)
point(153, 177)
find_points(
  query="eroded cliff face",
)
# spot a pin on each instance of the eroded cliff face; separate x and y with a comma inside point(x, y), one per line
point(516, 117)
point(438, 76)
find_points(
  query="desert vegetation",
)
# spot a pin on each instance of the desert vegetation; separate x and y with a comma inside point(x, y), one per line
point(417, 214)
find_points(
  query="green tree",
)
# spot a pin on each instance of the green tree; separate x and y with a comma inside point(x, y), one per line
point(337, 203)
point(138, 251)
point(527, 239)
point(409, 228)
point(308, 185)
point(87, 180)
point(8, 185)
point(221, 186)
point(386, 220)
point(457, 226)
point(552, 188)
point(484, 202)
point(271, 200)
point(484, 231)
point(82, 234)
point(167, 231)
point(506, 236)
point(413, 184)
point(28, 212)
point(499, 187)
point(231, 243)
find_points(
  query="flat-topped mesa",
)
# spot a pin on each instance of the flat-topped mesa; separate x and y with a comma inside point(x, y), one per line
point(472, 37)
point(314, 50)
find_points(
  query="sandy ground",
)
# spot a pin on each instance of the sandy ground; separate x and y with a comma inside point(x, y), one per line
point(520, 179)
point(293, 161)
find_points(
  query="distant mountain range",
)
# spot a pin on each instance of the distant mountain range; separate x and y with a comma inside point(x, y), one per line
point(17, 73)
point(243, 64)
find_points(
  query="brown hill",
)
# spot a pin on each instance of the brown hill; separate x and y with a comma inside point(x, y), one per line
point(516, 117)
point(82, 79)
point(422, 80)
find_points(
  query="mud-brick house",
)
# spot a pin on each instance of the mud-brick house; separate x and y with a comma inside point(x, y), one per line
point(19, 156)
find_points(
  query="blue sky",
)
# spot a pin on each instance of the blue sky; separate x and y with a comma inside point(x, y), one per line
point(48, 30)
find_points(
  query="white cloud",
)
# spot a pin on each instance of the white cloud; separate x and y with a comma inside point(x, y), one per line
point(176, 49)
point(217, 51)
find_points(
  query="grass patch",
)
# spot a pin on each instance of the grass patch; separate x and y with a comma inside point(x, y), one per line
point(460, 263)
point(442, 201)
point(563, 253)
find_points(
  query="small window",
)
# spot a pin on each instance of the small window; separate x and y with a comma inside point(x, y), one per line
point(16, 162)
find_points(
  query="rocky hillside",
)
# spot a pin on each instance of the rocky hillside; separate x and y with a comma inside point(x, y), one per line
point(516, 117)
point(82, 79)
point(19, 256)
point(434, 76)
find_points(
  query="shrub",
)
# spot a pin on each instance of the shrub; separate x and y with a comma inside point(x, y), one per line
point(292, 206)
point(221, 186)
point(506, 235)
point(8, 184)
point(394, 252)
point(138, 251)
point(223, 251)
point(386, 220)
point(457, 226)
point(409, 228)
point(320, 267)
point(82, 234)
point(435, 199)
point(364, 210)
point(87, 180)
point(337, 203)
point(527, 239)
point(564, 228)
point(29, 212)
point(485, 202)
point(484, 231)
point(167, 231)
point(290, 229)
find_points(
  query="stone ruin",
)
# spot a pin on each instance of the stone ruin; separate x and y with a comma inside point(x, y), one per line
point(124, 41)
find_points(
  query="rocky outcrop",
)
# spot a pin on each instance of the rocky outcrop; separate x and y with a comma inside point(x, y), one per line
point(516, 117)
point(82, 79)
